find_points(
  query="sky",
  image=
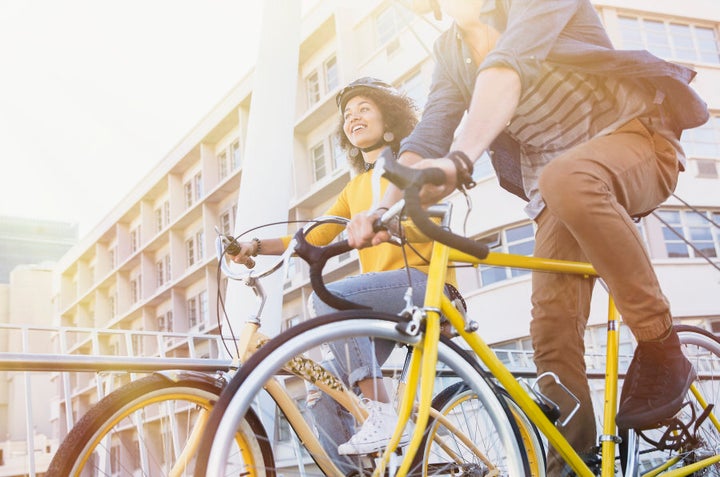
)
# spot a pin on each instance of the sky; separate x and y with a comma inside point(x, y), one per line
point(95, 93)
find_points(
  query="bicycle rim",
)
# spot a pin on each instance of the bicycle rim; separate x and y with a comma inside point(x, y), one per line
point(145, 429)
point(702, 439)
point(470, 451)
point(507, 451)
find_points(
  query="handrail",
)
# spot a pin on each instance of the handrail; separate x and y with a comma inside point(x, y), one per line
point(81, 363)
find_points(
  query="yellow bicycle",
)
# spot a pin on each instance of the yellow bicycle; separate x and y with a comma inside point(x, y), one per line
point(492, 428)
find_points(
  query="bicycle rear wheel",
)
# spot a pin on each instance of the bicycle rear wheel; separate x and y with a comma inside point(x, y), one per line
point(142, 429)
point(695, 434)
point(503, 446)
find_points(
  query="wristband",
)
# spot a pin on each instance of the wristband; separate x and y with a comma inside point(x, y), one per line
point(463, 170)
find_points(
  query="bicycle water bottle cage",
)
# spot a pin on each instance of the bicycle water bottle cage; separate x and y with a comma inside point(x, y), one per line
point(550, 407)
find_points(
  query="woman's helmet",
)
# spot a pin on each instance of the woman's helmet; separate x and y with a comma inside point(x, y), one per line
point(356, 87)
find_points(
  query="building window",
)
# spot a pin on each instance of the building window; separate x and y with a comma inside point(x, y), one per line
point(112, 306)
point(115, 460)
point(195, 248)
point(203, 309)
point(283, 433)
point(389, 22)
point(414, 87)
point(193, 190)
point(312, 86)
point(138, 343)
point(339, 157)
point(162, 271)
point(707, 168)
point(165, 321)
point(703, 141)
point(227, 221)
point(198, 311)
point(136, 289)
point(135, 239)
point(292, 321)
point(317, 154)
point(192, 312)
point(695, 228)
point(162, 216)
point(113, 257)
point(518, 240)
point(223, 165)
point(229, 160)
point(235, 155)
point(332, 80)
point(670, 40)
point(190, 251)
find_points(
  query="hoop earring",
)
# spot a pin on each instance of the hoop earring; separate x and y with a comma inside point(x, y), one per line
point(388, 136)
point(353, 152)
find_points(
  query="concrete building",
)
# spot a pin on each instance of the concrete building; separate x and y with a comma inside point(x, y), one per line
point(24, 241)
point(150, 265)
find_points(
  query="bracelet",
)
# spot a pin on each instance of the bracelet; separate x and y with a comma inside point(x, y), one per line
point(464, 158)
point(463, 169)
point(258, 246)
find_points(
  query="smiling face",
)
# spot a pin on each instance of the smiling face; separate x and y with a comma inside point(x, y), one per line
point(363, 122)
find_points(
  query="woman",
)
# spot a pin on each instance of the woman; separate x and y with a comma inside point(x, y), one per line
point(374, 116)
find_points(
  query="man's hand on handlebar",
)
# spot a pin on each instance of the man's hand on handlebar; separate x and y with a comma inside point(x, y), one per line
point(432, 194)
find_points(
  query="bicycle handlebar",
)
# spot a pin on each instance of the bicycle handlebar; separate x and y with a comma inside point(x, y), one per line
point(317, 257)
point(412, 180)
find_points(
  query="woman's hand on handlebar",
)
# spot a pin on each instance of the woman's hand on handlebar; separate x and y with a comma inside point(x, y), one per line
point(360, 230)
point(245, 253)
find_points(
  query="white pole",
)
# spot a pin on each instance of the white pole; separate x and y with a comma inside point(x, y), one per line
point(264, 193)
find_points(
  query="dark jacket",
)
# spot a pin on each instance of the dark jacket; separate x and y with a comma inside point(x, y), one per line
point(565, 33)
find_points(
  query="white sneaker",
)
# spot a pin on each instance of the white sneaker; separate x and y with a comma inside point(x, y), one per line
point(375, 432)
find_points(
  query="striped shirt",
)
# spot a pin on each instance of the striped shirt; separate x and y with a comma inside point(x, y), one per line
point(563, 109)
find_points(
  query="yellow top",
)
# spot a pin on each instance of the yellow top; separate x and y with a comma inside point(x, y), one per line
point(356, 197)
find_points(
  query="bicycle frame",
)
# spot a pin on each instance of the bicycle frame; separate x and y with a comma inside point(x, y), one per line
point(436, 303)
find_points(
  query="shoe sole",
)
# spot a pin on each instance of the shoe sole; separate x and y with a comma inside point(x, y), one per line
point(371, 448)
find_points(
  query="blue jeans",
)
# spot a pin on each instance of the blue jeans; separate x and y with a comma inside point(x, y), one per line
point(359, 358)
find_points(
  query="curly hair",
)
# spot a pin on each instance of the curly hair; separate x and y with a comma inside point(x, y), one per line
point(399, 115)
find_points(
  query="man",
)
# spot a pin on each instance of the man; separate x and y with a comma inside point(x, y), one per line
point(589, 136)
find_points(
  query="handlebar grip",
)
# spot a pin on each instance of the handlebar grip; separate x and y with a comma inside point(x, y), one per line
point(316, 257)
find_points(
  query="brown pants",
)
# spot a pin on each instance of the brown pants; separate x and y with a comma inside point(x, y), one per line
point(591, 193)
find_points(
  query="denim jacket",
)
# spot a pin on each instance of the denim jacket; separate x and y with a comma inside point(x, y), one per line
point(566, 33)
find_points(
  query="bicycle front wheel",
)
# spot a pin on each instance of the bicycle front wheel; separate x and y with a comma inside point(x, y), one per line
point(151, 427)
point(502, 445)
point(695, 432)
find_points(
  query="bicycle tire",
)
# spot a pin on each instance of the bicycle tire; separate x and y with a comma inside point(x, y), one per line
point(456, 402)
point(85, 450)
point(307, 336)
point(702, 348)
